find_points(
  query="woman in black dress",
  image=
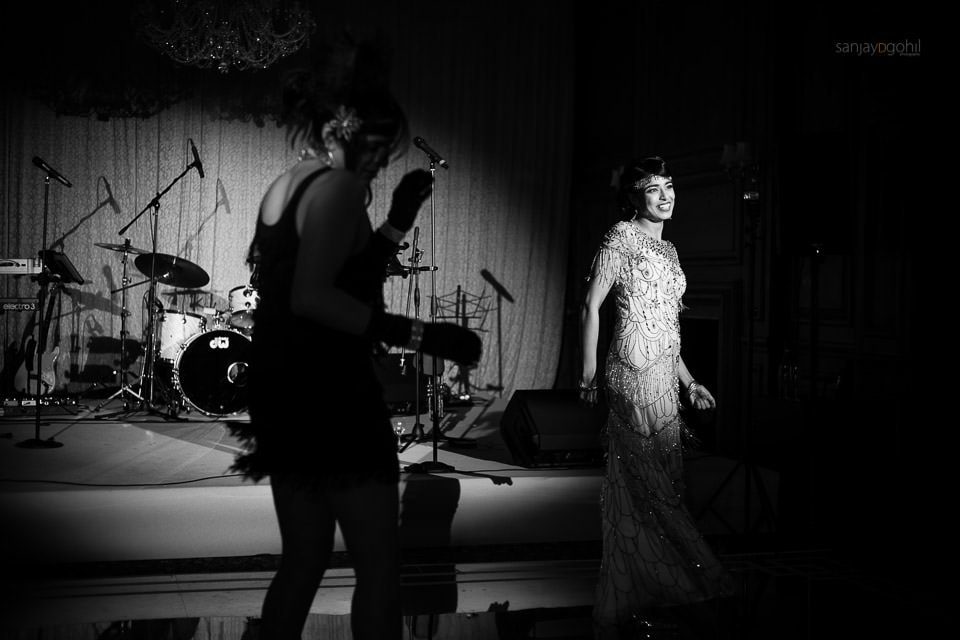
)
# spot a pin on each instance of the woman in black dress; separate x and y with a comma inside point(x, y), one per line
point(319, 427)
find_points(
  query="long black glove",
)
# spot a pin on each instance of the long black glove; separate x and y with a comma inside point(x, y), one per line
point(451, 342)
point(442, 339)
point(414, 188)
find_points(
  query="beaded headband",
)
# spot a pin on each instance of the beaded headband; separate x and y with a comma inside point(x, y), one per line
point(646, 181)
point(345, 122)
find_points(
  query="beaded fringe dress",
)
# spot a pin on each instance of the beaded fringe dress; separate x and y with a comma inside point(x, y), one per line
point(653, 554)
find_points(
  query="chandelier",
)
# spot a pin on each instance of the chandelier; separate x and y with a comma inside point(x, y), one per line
point(224, 34)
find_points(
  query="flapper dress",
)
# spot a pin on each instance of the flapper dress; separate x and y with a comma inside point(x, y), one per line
point(653, 554)
point(317, 411)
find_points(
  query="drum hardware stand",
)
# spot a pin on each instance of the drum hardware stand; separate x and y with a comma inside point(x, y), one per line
point(44, 277)
point(151, 348)
point(124, 390)
point(436, 409)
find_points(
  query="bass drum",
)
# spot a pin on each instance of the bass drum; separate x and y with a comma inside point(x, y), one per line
point(211, 370)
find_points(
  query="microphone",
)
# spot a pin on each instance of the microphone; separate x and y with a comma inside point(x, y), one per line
point(196, 158)
point(433, 155)
point(53, 173)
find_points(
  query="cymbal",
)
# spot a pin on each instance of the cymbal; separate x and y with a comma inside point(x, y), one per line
point(120, 247)
point(171, 270)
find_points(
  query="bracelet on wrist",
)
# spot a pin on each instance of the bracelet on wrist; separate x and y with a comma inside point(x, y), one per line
point(692, 387)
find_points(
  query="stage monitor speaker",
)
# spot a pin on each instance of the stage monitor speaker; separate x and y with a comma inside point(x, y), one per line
point(551, 427)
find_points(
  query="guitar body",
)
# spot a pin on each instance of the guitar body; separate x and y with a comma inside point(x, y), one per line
point(21, 379)
point(44, 367)
point(48, 371)
point(25, 380)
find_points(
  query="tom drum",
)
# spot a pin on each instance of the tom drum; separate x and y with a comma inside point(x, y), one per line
point(176, 327)
point(243, 300)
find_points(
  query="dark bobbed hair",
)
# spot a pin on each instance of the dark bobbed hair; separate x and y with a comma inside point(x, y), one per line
point(351, 74)
point(634, 171)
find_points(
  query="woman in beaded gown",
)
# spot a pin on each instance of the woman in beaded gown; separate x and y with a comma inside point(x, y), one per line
point(653, 555)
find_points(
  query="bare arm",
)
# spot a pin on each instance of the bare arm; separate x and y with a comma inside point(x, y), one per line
point(600, 283)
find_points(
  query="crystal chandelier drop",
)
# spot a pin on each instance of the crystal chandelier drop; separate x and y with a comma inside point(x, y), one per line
point(224, 34)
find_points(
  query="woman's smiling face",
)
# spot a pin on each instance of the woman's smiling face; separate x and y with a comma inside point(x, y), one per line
point(654, 202)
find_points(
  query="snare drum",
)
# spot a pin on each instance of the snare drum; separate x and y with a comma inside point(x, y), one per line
point(176, 327)
point(243, 301)
point(211, 372)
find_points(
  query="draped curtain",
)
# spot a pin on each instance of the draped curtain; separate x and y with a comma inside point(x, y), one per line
point(494, 97)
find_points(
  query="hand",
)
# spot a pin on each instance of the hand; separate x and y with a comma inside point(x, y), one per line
point(700, 398)
point(410, 194)
point(452, 342)
point(589, 396)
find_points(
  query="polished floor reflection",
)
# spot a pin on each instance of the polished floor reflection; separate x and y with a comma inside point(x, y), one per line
point(134, 528)
point(788, 595)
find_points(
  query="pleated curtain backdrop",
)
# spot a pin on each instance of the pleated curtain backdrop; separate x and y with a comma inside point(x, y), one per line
point(495, 97)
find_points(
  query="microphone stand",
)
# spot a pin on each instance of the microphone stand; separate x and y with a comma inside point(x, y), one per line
point(148, 364)
point(44, 277)
point(416, 434)
point(502, 294)
point(434, 466)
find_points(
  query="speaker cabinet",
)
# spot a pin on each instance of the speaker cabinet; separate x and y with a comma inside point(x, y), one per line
point(550, 427)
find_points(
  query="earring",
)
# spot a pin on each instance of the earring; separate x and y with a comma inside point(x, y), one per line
point(310, 152)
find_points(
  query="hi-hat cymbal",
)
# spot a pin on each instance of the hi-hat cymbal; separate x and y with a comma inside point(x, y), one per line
point(171, 270)
point(120, 247)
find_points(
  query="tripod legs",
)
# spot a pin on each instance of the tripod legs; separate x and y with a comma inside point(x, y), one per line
point(125, 392)
point(124, 389)
point(122, 392)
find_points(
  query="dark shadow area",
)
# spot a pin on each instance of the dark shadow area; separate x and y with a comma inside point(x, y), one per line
point(428, 506)
point(780, 594)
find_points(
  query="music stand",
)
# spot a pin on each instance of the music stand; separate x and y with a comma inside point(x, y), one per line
point(462, 307)
point(60, 265)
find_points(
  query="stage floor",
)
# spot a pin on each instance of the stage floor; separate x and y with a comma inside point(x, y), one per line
point(137, 517)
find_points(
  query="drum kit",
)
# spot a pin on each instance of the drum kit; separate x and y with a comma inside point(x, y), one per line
point(199, 354)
